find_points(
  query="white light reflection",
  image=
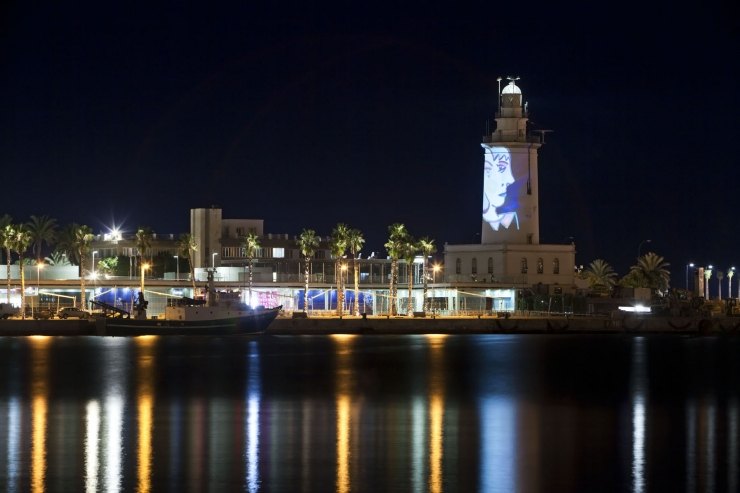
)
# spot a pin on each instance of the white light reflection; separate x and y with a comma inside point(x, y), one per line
point(14, 431)
point(113, 442)
point(711, 440)
point(498, 444)
point(252, 426)
point(690, 446)
point(92, 437)
point(639, 389)
point(418, 451)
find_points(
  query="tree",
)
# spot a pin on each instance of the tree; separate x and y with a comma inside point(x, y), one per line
point(20, 244)
point(79, 237)
point(107, 266)
point(397, 235)
point(650, 272)
point(409, 254)
point(7, 236)
point(600, 275)
point(251, 245)
point(426, 247)
point(308, 241)
point(42, 230)
point(144, 238)
point(354, 243)
point(187, 246)
point(338, 247)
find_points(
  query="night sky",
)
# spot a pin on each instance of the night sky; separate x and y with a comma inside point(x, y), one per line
point(370, 114)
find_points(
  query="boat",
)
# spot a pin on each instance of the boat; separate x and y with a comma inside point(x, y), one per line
point(187, 316)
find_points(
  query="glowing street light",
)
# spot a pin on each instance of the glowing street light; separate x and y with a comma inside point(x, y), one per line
point(213, 260)
point(730, 273)
point(177, 261)
point(707, 276)
point(435, 268)
point(39, 266)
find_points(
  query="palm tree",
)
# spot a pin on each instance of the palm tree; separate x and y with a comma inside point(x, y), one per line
point(81, 237)
point(251, 245)
point(397, 235)
point(7, 236)
point(57, 258)
point(355, 242)
point(20, 244)
point(409, 254)
point(338, 247)
point(43, 230)
point(650, 272)
point(144, 237)
point(187, 246)
point(426, 247)
point(600, 275)
point(308, 242)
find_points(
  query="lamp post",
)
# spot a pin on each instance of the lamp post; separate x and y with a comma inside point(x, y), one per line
point(39, 266)
point(639, 247)
point(435, 269)
point(720, 276)
point(730, 273)
point(95, 252)
point(691, 264)
point(177, 267)
point(707, 276)
point(213, 260)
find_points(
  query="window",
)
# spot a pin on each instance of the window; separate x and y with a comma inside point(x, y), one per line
point(474, 266)
point(540, 266)
point(556, 266)
point(524, 265)
point(278, 252)
point(458, 266)
point(490, 265)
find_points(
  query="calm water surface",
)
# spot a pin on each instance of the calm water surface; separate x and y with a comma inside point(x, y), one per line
point(370, 413)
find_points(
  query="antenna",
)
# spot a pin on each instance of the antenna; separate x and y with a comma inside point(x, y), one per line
point(542, 134)
point(499, 94)
point(512, 78)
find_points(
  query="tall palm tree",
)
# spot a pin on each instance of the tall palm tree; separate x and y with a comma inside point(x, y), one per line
point(409, 254)
point(397, 235)
point(426, 247)
point(80, 243)
point(43, 229)
point(144, 238)
point(600, 275)
point(20, 244)
point(651, 272)
point(251, 245)
point(7, 236)
point(187, 246)
point(355, 242)
point(338, 247)
point(308, 241)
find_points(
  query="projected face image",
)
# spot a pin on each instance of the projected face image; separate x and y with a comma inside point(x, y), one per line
point(499, 207)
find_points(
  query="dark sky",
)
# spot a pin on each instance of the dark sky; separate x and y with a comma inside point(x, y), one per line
point(306, 116)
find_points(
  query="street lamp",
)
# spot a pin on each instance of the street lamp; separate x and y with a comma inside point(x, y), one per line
point(730, 273)
point(691, 264)
point(435, 269)
point(720, 276)
point(639, 247)
point(707, 275)
point(39, 266)
point(177, 268)
point(95, 252)
point(213, 260)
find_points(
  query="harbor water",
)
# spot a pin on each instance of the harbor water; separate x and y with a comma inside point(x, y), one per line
point(353, 413)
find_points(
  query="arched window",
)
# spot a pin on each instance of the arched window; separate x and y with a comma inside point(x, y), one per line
point(540, 266)
point(556, 266)
point(524, 265)
point(490, 265)
point(474, 266)
point(458, 266)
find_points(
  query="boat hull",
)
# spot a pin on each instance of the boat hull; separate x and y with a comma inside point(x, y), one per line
point(255, 323)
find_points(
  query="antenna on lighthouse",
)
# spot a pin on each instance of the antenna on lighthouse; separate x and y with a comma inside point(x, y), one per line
point(542, 134)
point(499, 94)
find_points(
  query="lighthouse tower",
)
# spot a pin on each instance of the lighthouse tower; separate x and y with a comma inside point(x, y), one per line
point(510, 185)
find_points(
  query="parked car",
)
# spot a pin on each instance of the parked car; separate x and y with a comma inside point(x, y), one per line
point(72, 312)
point(38, 313)
point(8, 310)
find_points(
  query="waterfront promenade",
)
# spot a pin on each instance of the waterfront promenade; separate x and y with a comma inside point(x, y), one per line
point(327, 325)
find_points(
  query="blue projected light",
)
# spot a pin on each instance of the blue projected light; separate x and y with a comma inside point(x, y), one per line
point(501, 189)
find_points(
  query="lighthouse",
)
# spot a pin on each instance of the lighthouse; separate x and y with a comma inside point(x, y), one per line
point(510, 186)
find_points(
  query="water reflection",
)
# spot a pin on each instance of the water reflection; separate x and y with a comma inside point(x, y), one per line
point(115, 376)
point(145, 398)
point(639, 390)
point(252, 424)
point(39, 407)
point(343, 384)
point(92, 438)
point(436, 412)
